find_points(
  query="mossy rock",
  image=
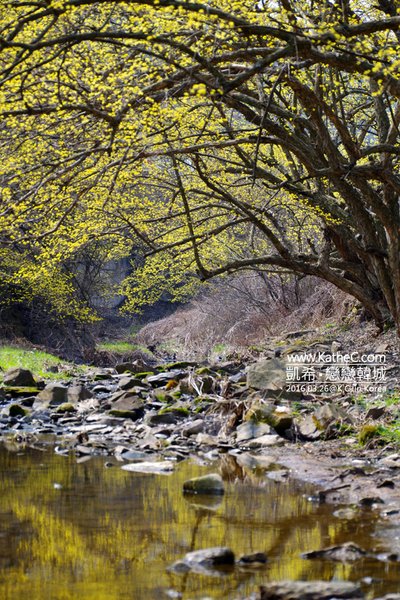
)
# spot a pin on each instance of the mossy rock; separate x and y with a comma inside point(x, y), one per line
point(201, 399)
point(16, 410)
point(162, 396)
point(207, 484)
point(260, 412)
point(183, 364)
point(66, 407)
point(19, 390)
point(369, 432)
point(178, 411)
point(144, 374)
point(204, 371)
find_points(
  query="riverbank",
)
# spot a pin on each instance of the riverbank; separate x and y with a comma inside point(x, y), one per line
point(247, 410)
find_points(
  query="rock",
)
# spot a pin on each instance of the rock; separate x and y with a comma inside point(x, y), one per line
point(267, 375)
point(66, 407)
point(203, 560)
point(336, 346)
point(281, 419)
point(322, 422)
point(204, 439)
point(307, 429)
point(52, 395)
point(265, 441)
point(327, 414)
point(77, 393)
point(251, 429)
point(127, 383)
point(163, 419)
point(259, 411)
point(158, 468)
point(193, 428)
point(370, 501)
point(165, 377)
point(16, 410)
point(19, 377)
point(310, 590)
point(128, 409)
point(375, 412)
point(132, 455)
point(343, 553)
point(130, 367)
point(207, 484)
point(392, 461)
point(258, 559)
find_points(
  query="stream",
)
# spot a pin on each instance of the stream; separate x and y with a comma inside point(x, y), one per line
point(80, 530)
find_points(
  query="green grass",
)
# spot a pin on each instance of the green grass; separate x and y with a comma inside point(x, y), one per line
point(36, 361)
point(120, 347)
point(380, 434)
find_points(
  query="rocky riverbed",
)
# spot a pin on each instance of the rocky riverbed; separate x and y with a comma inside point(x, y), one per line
point(149, 417)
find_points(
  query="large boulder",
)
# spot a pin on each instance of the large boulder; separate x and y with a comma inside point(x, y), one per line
point(19, 377)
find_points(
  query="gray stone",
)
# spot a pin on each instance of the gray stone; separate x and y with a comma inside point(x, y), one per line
point(250, 430)
point(203, 560)
point(193, 428)
point(66, 407)
point(77, 393)
point(375, 412)
point(204, 439)
point(127, 383)
point(52, 395)
point(130, 367)
point(267, 375)
point(158, 468)
point(322, 422)
point(310, 590)
point(19, 377)
point(128, 408)
point(343, 553)
point(265, 441)
point(163, 378)
point(207, 484)
point(308, 429)
point(281, 419)
point(163, 419)
point(257, 559)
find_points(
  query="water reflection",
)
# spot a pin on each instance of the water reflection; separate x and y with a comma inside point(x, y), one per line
point(84, 531)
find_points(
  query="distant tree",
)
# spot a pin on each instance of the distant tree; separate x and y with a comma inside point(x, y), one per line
point(223, 136)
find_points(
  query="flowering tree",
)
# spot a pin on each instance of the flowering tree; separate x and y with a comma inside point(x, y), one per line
point(216, 136)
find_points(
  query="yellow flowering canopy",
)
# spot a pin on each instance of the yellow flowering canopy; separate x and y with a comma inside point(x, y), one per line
point(201, 138)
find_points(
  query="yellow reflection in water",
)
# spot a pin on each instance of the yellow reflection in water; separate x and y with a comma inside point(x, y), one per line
point(82, 531)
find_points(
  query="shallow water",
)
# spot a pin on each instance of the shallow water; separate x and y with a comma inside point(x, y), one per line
point(83, 531)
